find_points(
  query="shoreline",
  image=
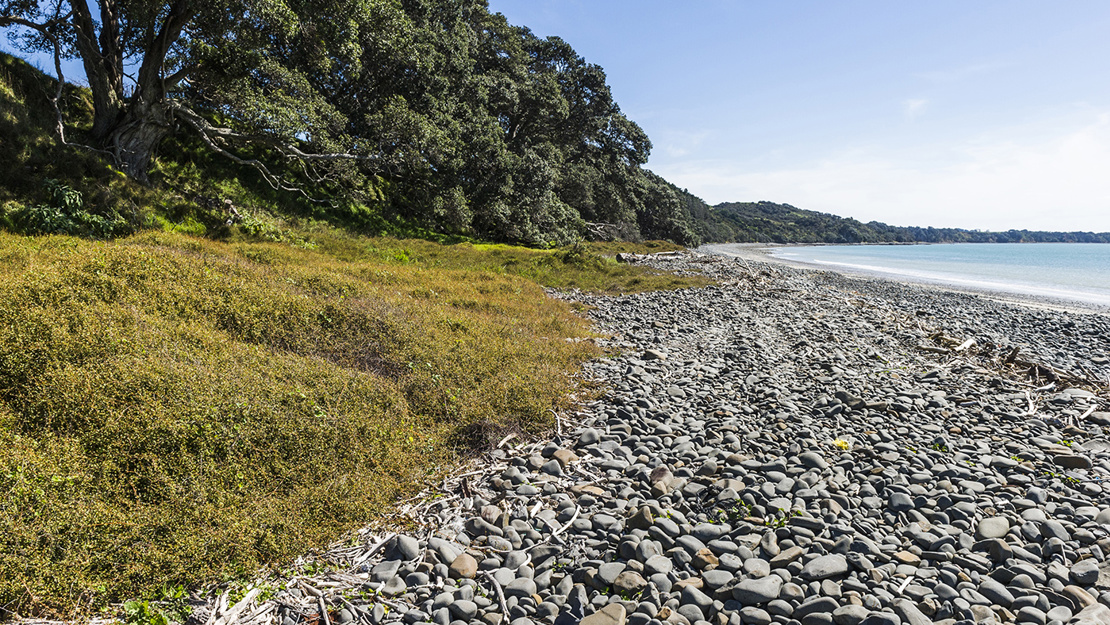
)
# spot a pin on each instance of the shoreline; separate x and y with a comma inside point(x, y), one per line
point(760, 252)
point(786, 446)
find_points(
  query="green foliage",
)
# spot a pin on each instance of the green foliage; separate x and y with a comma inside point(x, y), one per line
point(458, 122)
point(735, 512)
point(65, 214)
point(587, 266)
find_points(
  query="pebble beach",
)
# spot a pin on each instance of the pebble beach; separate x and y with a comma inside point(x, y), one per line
point(788, 447)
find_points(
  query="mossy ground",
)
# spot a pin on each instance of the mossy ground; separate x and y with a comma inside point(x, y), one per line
point(175, 410)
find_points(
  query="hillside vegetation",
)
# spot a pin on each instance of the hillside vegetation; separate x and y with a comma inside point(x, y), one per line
point(767, 222)
point(433, 114)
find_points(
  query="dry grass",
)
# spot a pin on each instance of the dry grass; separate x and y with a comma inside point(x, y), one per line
point(588, 266)
point(180, 411)
point(176, 410)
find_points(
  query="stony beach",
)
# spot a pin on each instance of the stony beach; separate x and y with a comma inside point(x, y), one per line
point(788, 446)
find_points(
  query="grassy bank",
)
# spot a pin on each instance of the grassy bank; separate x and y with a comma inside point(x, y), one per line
point(177, 411)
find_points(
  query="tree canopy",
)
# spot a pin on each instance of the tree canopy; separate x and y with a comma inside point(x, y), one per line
point(432, 111)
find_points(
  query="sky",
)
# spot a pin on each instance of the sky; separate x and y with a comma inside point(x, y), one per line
point(982, 115)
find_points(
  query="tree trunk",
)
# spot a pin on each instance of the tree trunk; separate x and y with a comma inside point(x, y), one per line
point(103, 68)
point(131, 127)
point(135, 140)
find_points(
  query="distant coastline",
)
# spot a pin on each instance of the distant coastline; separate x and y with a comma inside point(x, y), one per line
point(772, 223)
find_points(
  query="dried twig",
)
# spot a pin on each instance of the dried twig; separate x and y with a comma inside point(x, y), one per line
point(366, 556)
point(221, 604)
point(577, 511)
point(500, 593)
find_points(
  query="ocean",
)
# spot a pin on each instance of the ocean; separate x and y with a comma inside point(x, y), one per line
point(1067, 271)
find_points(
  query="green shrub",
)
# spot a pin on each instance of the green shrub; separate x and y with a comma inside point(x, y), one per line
point(65, 214)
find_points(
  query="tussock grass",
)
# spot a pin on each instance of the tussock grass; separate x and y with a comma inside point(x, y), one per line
point(179, 411)
point(586, 266)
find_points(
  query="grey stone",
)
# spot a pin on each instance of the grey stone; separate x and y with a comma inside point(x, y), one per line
point(406, 547)
point(757, 567)
point(609, 571)
point(658, 564)
point(1029, 614)
point(385, 571)
point(691, 613)
point(850, 614)
point(757, 591)
point(716, 578)
point(900, 502)
point(786, 556)
point(1060, 613)
point(691, 595)
point(824, 567)
point(815, 605)
point(995, 592)
point(589, 436)
point(1069, 461)
point(1095, 614)
point(395, 586)
point(520, 587)
point(629, 583)
point(464, 610)
point(992, 527)
point(813, 460)
point(909, 613)
point(1052, 528)
point(755, 616)
point(881, 618)
point(1085, 572)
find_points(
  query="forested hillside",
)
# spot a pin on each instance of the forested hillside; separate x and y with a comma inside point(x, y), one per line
point(379, 116)
point(768, 222)
point(433, 114)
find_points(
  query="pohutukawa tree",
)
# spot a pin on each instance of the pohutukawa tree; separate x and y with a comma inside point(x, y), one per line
point(434, 111)
point(152, 65)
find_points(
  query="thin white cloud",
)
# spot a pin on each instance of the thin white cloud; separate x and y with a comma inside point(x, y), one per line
point(914, 108)
point(1057, 182)
point(677, 144)
point(956, 74)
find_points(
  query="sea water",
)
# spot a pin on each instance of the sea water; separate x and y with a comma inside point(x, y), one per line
point(1069, 271)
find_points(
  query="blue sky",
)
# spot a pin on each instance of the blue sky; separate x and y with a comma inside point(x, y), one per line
point(990, 115)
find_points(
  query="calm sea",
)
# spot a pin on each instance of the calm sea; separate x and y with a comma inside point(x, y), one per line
point(1071, 271)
